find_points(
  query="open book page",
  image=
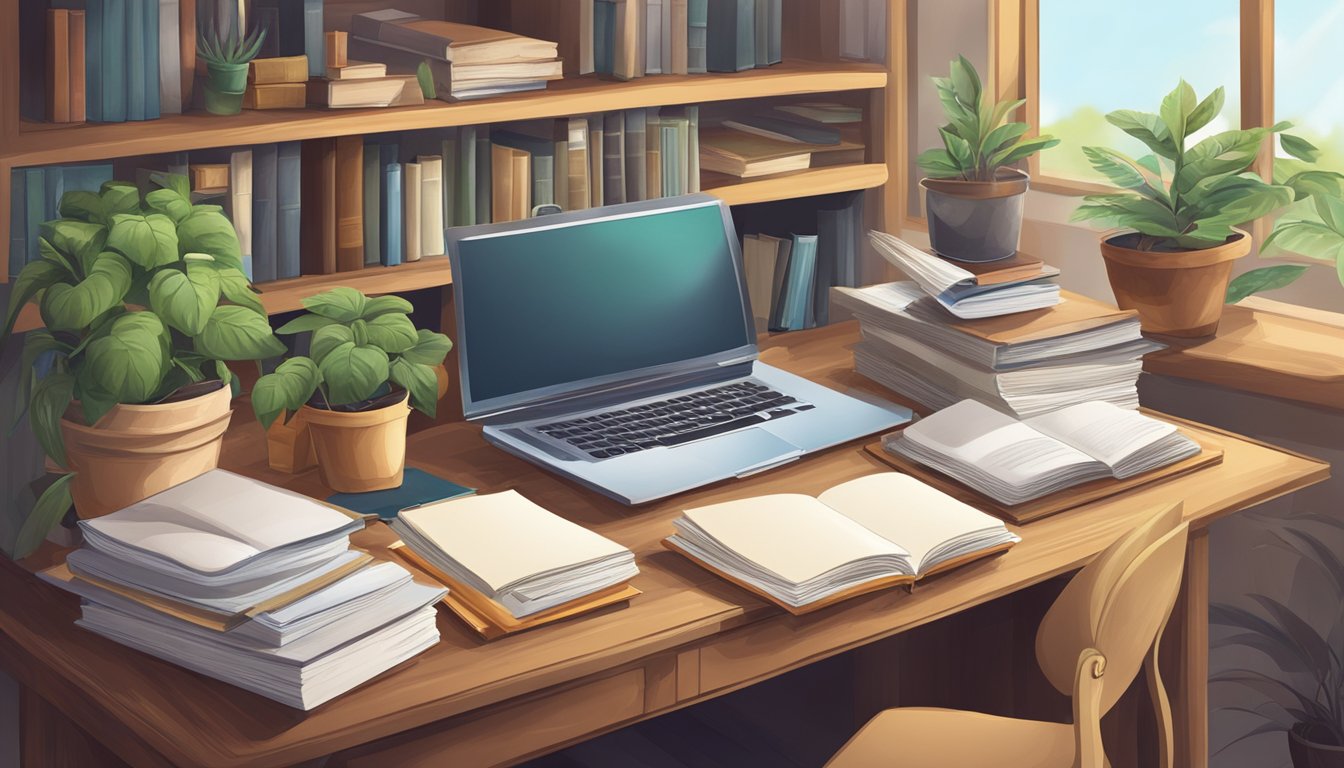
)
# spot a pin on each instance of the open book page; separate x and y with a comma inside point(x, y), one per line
point(1112, 435)
point(504, 538)
point(927, 523)
point(973, 434)
point(793, 536)
point(933, 274)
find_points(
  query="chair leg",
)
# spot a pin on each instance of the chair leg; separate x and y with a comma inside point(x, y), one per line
point(1166, 745)
point(1088, 749)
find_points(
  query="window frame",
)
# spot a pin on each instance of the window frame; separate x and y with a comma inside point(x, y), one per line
point(1014, 52)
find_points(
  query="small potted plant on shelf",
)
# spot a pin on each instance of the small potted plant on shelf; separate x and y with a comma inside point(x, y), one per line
point(1180, 206)
point(1305, 697)
point(368, 366)
point(973, 198)
point(143, 305)
point(227, 58)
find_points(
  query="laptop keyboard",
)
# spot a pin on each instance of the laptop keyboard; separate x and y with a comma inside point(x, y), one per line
point(675, 420)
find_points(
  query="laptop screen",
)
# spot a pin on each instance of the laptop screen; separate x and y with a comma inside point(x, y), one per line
point(555, 304)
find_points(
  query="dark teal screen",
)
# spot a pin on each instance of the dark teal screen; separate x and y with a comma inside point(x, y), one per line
point(553, 306)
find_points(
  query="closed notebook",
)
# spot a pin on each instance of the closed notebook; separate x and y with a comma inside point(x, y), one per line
point(417, 489)
point(450, 41)
point(513, 551)
point(1015, 461)
point(803, 552)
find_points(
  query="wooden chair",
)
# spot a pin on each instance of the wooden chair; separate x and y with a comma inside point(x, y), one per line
point(1105, 625)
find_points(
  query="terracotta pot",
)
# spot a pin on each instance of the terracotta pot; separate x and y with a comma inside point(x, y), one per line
point(975, 220)
point(289, 448)
point(1307, 753)
point(360, 451)
point(136, 451)
point(1176, 293)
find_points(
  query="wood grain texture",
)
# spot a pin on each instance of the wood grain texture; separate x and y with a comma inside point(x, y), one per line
point(784, 186)
point(579, 95)
point(149, 711)
point(1191, 683)
point(49, 739)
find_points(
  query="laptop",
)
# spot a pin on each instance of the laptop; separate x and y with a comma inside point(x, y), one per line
point(616, 347)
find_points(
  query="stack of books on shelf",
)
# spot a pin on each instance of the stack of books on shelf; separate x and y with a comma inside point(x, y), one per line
point(1014, 462)
point(277, 83)
point(465, 61)
point(509, 564)
point(251, 585)
point(789, 275)
point(764, 142)
point(292, 27)
point(35, 197)
point(350, 84)
point(1024, 364)
point(804, 553)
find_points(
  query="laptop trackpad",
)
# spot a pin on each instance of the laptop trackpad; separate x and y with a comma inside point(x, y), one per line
point(742, 453)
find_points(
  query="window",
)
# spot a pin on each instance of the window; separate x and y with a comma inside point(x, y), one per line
point(1091, 63)
point(1308, 83)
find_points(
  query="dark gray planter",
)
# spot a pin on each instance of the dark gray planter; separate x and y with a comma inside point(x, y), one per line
point(1308, 753)
point(975, 220)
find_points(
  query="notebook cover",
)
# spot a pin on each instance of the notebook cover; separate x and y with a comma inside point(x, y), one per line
point(490, 619)
point(1074, 314)
point(1014, 269)
point(1086, 493)
point(418, 487)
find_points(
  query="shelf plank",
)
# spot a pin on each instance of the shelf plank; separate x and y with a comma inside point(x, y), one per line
point(786, 186)
point(579, 95)
point(288, 295)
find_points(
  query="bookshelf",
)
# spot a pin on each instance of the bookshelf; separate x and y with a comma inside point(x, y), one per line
point(812, 67)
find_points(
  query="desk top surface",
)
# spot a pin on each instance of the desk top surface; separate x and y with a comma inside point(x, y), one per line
point(153, 711)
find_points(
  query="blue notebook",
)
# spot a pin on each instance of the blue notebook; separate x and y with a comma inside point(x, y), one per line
point(390, 222)
point(417, 488)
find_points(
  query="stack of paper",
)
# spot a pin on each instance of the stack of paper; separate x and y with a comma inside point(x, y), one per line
point(867, 533)
point(514, 552)
point(1078, 351)
point(1015, 461)
point(249, 584)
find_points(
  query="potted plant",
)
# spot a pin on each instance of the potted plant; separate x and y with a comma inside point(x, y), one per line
point(227, 58)
point(1312, 228)
point(143, 306)
point(1305, 698)
point(368, 366)
point(1179, 208)
point(973, 198)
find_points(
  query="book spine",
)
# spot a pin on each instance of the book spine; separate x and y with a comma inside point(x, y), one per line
point(266, 18)
point(828, 259)
point(32, 41)
point(671, 160)
point(373, 180)
point(18, 245)
point(54, 181)
point(314, 41)
point(577, 166)
point(186, 51)
point(410, 211)
point(150, 71)
point(596, 146)
point(746, 35)
point(520, 201)
point(35, 206)
point(483, 176)
point(677, 40)
point(501, 182)
point(587, 63)
point(93, 62)
point(636, 174)
point(431, 205)
point(653, 38)
point(627, 63)
point(349, 203)
point(170, 57)
point(604, 36)
point(721, 36)
point(319, 207)
point(613, 158)
point(775, 38)
point(57, 95)
point(289, 214)
point(693, 149)
point(653, 154)
point(697, 21)
point(391, 224)
point(875, 32)
point(665, 38)
point(451, 158)
point(240, 194)
point(464, 197)
point(135, 48)
point(761, 28)
point(265, 219)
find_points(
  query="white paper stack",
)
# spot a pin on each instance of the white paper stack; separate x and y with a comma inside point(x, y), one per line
point(513, 551)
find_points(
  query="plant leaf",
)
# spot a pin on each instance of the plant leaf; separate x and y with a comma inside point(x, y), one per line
point(148, 241)
point(305, 322)
point(1175, 111)
point(120, 197)
point(185, 300)
point(381, 305)
point(393, 332)
point(430, 348)
point(1226, 152)
point(425, 78)
point(1263, 279)
point(207, 230)
point(1145, 127)
point(169, 203)
point(327, 338)
point(84, 206)
point(287, 389)
point(51, 506)
point(939, 164)
point(129, 362)
point(50, 398)
point(352, 373)
point(420, 381)
point(1021, 150)
point(234, 286)
point(1126, 173)
point(79, 240)
point(341, 304)
point(35, 276)
point(74, 307)
point(238, 333)
point(959, 149)
point(1311, 183)
point(1205, 111)
point(1299, 147)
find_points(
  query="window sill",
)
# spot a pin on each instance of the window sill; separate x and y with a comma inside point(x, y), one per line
point(1265, 347)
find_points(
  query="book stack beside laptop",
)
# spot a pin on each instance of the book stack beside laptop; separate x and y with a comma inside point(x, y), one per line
point(1024, 364)
point(804, 553)
point(465, 61)
point(512, 565)
point(249, 584)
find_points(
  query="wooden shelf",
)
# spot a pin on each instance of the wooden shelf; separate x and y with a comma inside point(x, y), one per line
point(786, 186)
point(36, 145)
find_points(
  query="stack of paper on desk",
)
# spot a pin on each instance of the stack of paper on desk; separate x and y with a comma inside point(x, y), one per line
point(249, 584)
point(804, 553)
point(514, 552)
point(1015, 461)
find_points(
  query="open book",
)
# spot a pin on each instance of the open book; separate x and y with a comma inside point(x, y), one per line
point(1015, 461)
point(960, 291)
point(804, 553)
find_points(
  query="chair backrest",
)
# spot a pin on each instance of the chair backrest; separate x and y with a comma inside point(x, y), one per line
point(1117, 604)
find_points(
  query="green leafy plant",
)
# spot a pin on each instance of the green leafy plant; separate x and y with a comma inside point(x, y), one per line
point(139, 300)
point(229, 48)
point(1307, 692)
point(363, 352)
point(977, 141)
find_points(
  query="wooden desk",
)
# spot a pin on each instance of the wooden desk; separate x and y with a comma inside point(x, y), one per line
point(690, 636)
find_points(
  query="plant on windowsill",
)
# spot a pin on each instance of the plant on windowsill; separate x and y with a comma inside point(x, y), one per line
point(127, 385)
point(368, 366)
point(227, 58)
point(1180, 208)
point(974, 198)
point(1305, 699)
